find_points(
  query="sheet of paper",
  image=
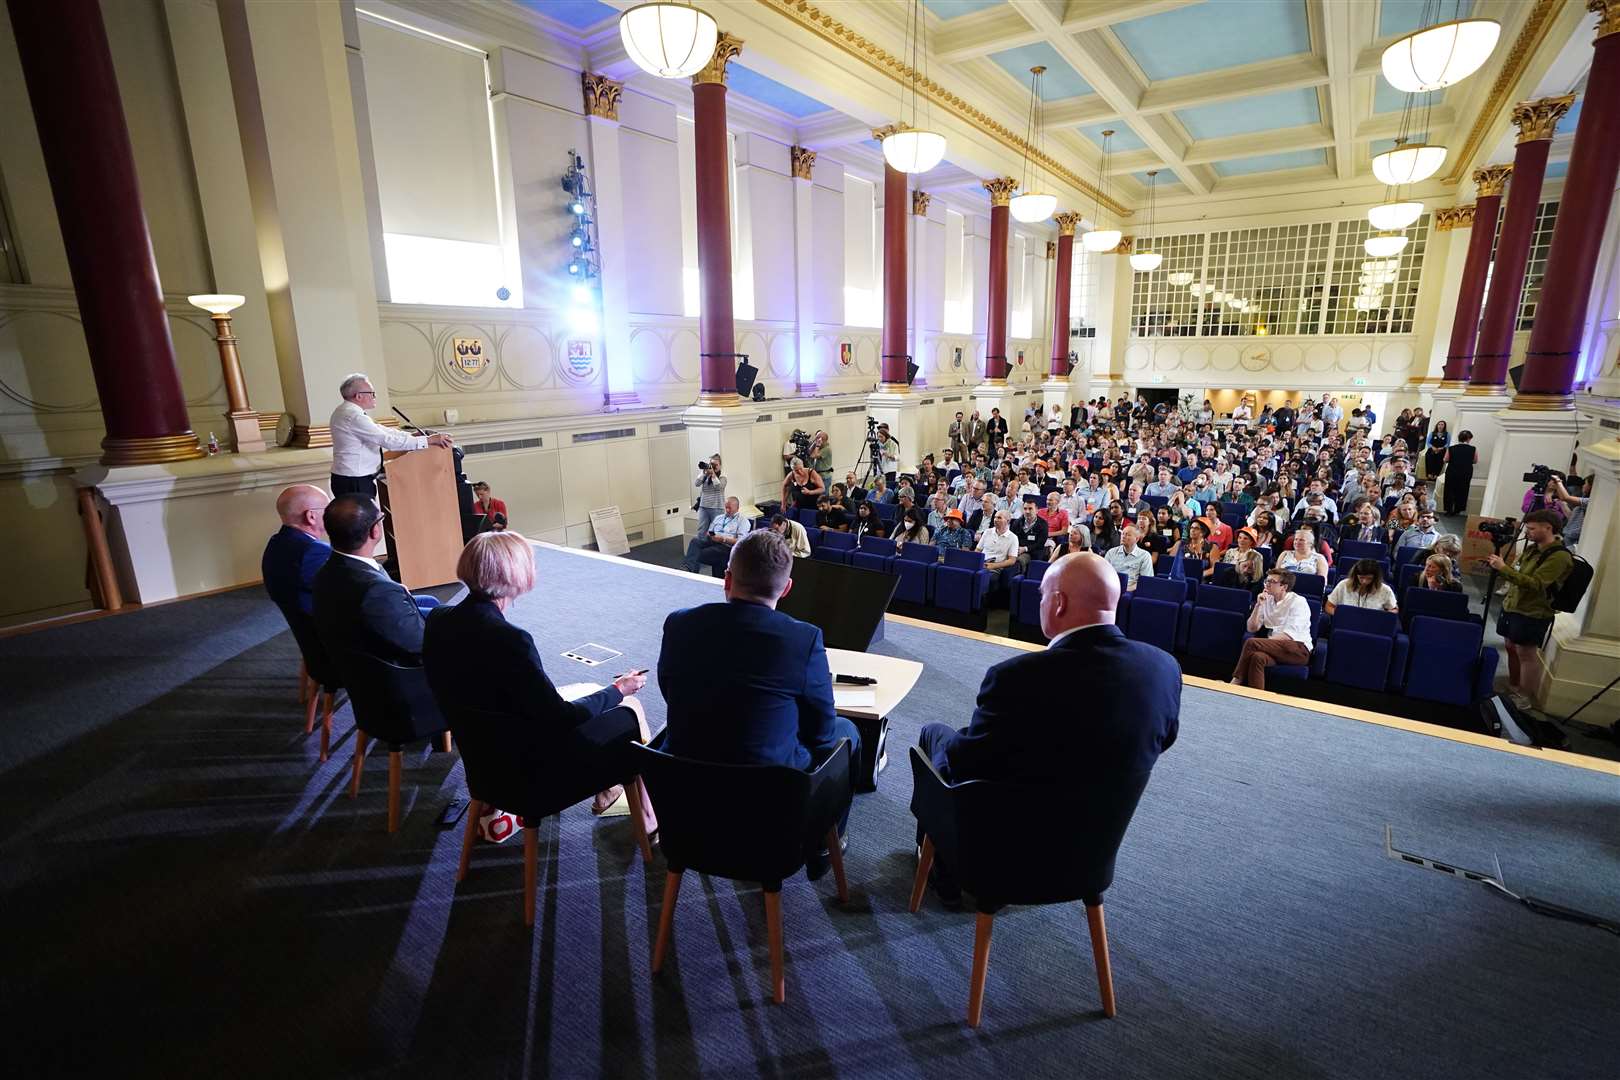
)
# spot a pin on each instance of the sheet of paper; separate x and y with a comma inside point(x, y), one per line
point(575, 690)
point(854, 697)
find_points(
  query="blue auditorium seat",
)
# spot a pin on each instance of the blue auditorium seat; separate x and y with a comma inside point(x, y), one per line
point(1448, 663)
point(1156, 501)
point(914, 564)
point(835, 547)
point(1310, 585)
point(874, 553)
point(1216, 623)
point(961, 582)
point(1364, 649)
point(1433, 603)
point(1350, 550)
point(1407, 576)
point(1024, 601)
point(1156, 612)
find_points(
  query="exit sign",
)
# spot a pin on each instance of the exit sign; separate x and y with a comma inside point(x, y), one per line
point(1359, 380)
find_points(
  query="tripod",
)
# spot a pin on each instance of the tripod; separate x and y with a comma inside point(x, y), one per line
point(872, 455)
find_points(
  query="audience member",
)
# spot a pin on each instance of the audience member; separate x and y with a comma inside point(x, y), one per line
point(1129, 559)
point(798, 540)
point(1362, 587)
point(1302, 557)
point(952, 534)
point(1281, 623)
point(298, 550)
point(713, 547)
point(1000, 548)
point(1437, 574)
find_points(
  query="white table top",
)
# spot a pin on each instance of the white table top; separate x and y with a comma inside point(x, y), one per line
point(895, 678)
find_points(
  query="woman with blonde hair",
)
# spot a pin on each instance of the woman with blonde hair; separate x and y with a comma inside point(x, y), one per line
point(511, 703)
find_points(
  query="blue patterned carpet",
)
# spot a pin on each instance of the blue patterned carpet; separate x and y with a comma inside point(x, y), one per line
point(189, 893)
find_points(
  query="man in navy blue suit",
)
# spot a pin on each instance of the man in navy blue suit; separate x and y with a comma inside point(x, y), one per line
point(1092, 705)
point(745, 683)
point(298, 549)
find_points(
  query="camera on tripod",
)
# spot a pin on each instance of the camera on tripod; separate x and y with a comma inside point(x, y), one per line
point(1538, 476)
point(801, 445)
point(1502, 533)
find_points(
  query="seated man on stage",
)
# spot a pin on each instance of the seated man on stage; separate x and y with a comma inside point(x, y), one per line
point(713, 547)
point(746, 684)
point(298, 550)
point(1127, 717)
point(357, 606)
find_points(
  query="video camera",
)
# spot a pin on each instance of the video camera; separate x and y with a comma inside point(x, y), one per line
point(1538, 476)
point(801, 445)
point(1502, 533)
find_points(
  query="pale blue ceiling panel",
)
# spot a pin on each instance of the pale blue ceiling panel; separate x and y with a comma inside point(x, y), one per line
point(1566, 126)
point(1124, 138)
point(1557, 170)
point(1215, 34)
point(580, 14)
point(1060, 80)
point(952, 9)
point(1244, 116)
point(751, 84)
point(1293, 159)
point(1399, 17)
point(1387, 99)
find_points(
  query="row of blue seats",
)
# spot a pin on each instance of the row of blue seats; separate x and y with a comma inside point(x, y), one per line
point(1433, 649)
point(958, 583)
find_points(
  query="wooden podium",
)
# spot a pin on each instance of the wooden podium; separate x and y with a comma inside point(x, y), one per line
point(418, 493)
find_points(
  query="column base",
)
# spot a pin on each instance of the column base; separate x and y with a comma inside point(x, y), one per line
point(1487, 390)
point(721, 399)
point(898, 407)
point(1578, 666)
point(618, 399)
point(310, 437)
point(1527, 438)
point(246, 435)
point(808, 388)
point(1544, 402)
point(151, 449)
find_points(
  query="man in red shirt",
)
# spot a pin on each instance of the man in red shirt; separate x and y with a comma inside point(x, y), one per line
point(1056, 518)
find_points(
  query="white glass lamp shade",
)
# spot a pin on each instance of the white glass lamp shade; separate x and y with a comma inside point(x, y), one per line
point(1101, 240)
point(1146, 261)
point(1389, 217)
point(1218, 296)
point(1373, 266)
point(1234, 303)
point(913, 151)
point(671, 41)
point(1032, 206)
point(1385, 244)
point(1370, 290)
point(217, 303)
point(1408, 164)
point(1440, 55)
point(1179, 278)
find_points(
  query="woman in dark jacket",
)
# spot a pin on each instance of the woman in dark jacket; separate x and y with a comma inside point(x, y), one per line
point(1459, 472)
point(1434, 459)
point(586, 740)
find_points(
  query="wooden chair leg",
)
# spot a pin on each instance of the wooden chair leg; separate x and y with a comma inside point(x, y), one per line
point(836, 849)
point(638, 827)
point(981, 968)
point(920, 884)
point(311, 704)
point(360, 740)
point(326, 726)
point(468, 835)
point(773, 929)
point(666, 919)
point(1099, 953)
point(531, 859)
point(445, 744)
point(396, 772)
point(303, 683)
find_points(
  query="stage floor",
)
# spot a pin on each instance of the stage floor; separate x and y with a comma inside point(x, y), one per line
point(189, 891)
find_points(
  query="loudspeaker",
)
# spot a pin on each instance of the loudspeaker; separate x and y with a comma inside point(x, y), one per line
point(746, 374)
point(759, 391)
point(911, 372)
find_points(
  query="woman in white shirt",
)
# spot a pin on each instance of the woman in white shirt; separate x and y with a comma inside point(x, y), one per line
point(1303, 558)
point(1362, 587)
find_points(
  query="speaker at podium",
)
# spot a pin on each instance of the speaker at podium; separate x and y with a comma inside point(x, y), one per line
point(418, 492)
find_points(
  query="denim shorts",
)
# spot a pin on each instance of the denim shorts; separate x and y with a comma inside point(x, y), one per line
point(1522, 629)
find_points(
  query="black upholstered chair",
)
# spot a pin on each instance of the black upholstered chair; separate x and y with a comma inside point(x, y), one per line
point(747, 823)
point(511, 765)
point(318, 678)
point(1014, 844)
point(393, 705)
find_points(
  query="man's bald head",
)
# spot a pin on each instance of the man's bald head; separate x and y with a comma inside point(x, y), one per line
point(301, 506)
point(1078, 590)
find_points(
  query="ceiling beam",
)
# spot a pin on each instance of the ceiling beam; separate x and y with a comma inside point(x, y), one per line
point(1388, 125)
point(1333, 34)
point(827, 130)
point(1075, 111)
point(1265, 77)
point(984, 32)
point(1280, 141)
point(1090, 55)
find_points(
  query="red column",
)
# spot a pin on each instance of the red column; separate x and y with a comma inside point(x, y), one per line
point(894, 277)
point(1060, 293)
point(995, 346)
point(1535, 120)
point(1555, 339)
point(717, 336)
point(68, 67)
point(1488, 185)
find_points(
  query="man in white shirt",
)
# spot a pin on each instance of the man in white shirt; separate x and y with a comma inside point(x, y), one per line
point(1130, 560)
point(713, 547)
point(1000, 548)
point(358, 440)
point(1285, 617)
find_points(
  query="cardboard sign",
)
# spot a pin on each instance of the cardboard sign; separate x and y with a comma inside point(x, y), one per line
point(1476, 546)
point(609, 528)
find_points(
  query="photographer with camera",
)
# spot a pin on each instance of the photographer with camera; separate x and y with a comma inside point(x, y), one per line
point(888, 449)
point(1561, 490)
point(1527, 611)
point(711, 501)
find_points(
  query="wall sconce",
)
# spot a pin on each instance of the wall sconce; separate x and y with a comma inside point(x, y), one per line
point(240, 418)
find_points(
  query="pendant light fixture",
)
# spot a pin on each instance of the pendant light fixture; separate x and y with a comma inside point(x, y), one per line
point(1145, 262)
point(1440, 53)
point(1383, 245)
point(1408, 163)
point(1099, 240)
point(909, 148)
point(1031, 204)
point(1180, 278)
point(669, 40)
point(1394, 215)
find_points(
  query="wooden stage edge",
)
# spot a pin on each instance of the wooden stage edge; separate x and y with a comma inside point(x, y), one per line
point(1365, 716)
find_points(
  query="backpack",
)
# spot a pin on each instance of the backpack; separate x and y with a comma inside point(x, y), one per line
point(1567, 594)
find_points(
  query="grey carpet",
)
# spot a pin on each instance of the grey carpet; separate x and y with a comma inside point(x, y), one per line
point(189, 892)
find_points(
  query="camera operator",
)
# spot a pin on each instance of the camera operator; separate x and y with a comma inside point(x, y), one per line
point(889, 454)
point(1527, 611)
point(1576, 502)
point(821, 458)
point(711, 500)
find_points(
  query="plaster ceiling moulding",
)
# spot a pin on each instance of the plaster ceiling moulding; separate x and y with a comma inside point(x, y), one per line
point(809, 17)
point(1537, 24)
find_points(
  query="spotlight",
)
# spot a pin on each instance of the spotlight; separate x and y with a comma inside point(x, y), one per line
point(580, 294)
point(577, 240)
point(578, 208)
point(573, 267)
